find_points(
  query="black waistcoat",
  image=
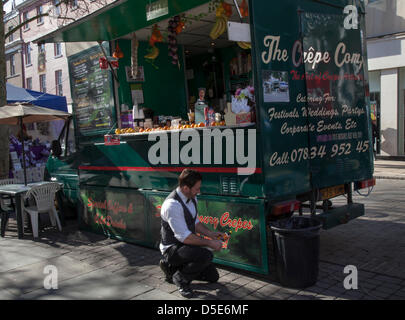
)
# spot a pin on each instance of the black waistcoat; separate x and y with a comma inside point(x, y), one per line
point(166, 232)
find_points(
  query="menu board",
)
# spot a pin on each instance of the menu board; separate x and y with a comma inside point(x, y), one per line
point(92, 92)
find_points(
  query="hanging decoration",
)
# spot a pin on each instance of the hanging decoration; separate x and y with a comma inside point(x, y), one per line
point(153, 51)
point(118, 54)
point(227, 9)
point(174, 28)
point(244, 11)
point(134, 56)
point(156, 36)
point(221, 22)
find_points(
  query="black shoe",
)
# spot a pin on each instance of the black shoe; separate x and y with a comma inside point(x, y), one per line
point(209, 274)
point(184, 288)
point(166, 270)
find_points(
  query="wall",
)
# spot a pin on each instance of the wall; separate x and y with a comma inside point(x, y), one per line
point(389, 112)
point(381, 11)
point(14, 48)
point(386, 53)
point(53, 63)
point(164, 88)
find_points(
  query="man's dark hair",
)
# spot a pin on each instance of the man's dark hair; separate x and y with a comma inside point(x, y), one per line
point(189, 178)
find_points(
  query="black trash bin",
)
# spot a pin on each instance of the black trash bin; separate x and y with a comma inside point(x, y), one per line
point(296, 246)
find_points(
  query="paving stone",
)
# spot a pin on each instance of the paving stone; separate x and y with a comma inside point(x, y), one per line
point(241, 281)
point(95, 285)
point(395, 297)
point(268, 289)
point(156, 294)
point(252, 297)
point(6, 295)
point(241, 292)
point(253, 285)
point(31, 277)
point(324, 297)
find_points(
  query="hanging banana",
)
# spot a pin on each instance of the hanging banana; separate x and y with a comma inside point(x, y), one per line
point(244, 45)
point(153, 54)
point(219, 27)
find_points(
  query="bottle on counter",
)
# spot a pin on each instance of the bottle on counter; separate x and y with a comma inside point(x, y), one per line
point(141, 117)
point(135, 115)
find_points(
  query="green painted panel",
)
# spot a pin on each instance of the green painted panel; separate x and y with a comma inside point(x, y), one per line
point(348, 147)
point(116, 213)
point(135, 162)
point(135, 217)
point(164, 88)
point(289, 154)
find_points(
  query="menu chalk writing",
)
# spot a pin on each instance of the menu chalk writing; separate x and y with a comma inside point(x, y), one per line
point(91, 92)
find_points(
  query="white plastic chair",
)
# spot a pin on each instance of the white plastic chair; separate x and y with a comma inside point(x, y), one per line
point(44, 196)
point(18, 176)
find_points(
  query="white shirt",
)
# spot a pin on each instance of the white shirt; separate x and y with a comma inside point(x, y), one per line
point(172, 212)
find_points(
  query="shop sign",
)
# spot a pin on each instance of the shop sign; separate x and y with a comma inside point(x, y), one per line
point(156, 9)
point(239, 31)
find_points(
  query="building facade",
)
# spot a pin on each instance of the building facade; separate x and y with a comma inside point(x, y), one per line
point(14, 49)
point(44, 67)
point(385, 21)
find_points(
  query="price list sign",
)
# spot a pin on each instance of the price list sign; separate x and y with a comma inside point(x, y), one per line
point(91, 92)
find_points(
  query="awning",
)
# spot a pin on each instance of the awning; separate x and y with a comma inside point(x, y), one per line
point(118, 19)
point(46, 100)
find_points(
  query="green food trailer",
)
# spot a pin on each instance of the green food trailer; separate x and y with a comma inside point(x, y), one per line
point(305, 139)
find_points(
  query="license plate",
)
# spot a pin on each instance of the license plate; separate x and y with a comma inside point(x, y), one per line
point(332, 192)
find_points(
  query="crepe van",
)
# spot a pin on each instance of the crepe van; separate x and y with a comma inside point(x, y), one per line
point(293, 130)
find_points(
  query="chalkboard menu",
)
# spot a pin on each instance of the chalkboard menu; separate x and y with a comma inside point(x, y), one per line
point(92, 92)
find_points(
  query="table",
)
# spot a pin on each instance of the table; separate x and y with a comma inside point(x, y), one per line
point(18, 191)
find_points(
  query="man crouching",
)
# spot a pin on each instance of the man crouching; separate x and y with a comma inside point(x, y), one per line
point(186, 256)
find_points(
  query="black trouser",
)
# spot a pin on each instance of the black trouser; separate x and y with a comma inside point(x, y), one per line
point(192, 263)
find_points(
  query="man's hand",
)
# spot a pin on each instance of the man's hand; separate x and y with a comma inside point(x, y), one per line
point(218, 236)
point(216, 245)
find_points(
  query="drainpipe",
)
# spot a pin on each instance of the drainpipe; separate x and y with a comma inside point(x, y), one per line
point(22, 52)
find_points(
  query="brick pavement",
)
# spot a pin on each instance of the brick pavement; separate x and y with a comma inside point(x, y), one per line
point(91, 266)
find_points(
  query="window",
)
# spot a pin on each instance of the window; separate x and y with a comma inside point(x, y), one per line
point(12, 65)
point(58, 82)
point(11, 36)
point(57, 49)
point(41, 48)
point(56, 3)
point(39, 12)
point(28, 54)
point(42, 83)
point(25, 18)
point(29, 83)
point(70, 145)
